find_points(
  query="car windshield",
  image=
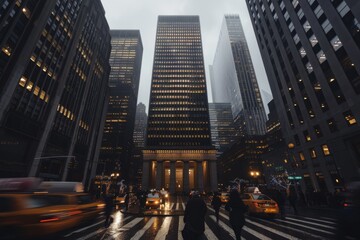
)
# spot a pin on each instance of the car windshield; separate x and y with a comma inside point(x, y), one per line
point(260, 197)
point(153, 195)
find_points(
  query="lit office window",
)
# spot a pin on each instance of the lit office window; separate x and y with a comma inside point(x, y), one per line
point(350, 118)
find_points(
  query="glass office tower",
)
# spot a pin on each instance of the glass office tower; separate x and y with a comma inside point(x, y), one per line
point(311, 52)
point(179, 155)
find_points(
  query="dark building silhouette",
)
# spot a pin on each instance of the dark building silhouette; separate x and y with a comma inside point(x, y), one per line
point(233, 79)
point(117, 143)
point(179, 155)
point(54, 69)
point(222, 126)
point(311, 53)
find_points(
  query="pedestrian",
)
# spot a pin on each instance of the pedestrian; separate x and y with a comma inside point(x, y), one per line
point(109, 205)
point(236, 208)
point(126, 201)
point(216, 204)
point(292, 197)
point(194, 218)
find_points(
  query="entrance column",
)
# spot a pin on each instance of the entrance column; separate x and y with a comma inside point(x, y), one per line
point(159, 174)
point(172, 176)
point(186, 185)
point(145, 176)
point(213, 176)
point(200, 176)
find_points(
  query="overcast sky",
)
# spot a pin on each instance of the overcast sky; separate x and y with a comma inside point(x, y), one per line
point(142, 15)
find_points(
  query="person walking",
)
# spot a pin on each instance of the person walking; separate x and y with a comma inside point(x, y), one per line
point(216, 204)
point(194, 218)
point(109, 205)
point(236, 208)
point(292, 196)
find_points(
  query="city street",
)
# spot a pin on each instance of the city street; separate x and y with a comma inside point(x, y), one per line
point(310, 224)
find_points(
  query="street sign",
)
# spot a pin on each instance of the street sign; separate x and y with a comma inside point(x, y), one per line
point(294, 177)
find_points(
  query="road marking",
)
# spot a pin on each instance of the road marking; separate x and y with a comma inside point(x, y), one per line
point(209, 234)
point(305, 226)
point(316, 224)
point(126, 227)
point(177, 206)
point(249, 230)
point(164, 229)
point(171, 206)
point(272, 230)
point(92, 234)
point(324, 221)
point(331, 219)
point(82, 229)
point(183, 205)
point(224, 226)
point(181, 227)
point(141, 232)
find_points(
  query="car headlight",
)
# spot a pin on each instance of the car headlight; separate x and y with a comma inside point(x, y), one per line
point(166, 195)
point(156, 202)
point(147, 202)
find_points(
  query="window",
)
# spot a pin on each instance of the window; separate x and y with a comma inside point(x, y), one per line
point(317, 131)
point(321, 56)
point(309, 67)
point(326, 26)
point(343, 9)
point(332, 125)
point(318, 11)
point(307, 136)
point(302, 52)
point(306, 26)
point(325, 150)
point(349, 117)
point(312, 153)
point(336, 43)
point(302, 156)
point(313, 40)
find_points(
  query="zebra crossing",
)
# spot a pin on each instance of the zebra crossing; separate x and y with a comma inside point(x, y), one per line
point(170, 227)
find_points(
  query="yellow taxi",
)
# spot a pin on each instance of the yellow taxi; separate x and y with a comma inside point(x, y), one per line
point(224, 197)
point(153, 200)
point(30, 215)
point(260, 204)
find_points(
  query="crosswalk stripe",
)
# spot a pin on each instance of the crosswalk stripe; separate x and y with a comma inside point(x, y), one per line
point(224, 226)
point(92, 234)
point(126, 227)
point(164, 229)
point(172, 205)
point(324, 221)
point(316, 224)
point(183, 205)
point(83, 229)
point(141, 232)
point(209, 234)
point(272, 230)
point(304, 226)
point(291, 228)
point(177, 206)
point(247, 229)
point(181, 227)
point(331, 219)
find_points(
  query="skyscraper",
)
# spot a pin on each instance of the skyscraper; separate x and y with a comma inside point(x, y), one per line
point(311, 52)
point(140, 126)
point(233, 79)
point(179, 155)
point(125, 62)
point(222, 125)
point(54, 68)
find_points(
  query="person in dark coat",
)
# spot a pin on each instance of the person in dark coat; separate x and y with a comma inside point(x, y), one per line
point(237, 209)
point(216, 204)
point(292, 196)
point(194, 218)
point(126, 200)
point(109, 205)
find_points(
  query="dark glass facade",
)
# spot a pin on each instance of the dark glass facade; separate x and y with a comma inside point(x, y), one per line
point(53, 80)
point(117, 142)
point(311, 53)
point(179, 155)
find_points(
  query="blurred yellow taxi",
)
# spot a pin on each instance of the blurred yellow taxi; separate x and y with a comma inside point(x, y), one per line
point(153, 200)
point(260, 204)
point(29, 215)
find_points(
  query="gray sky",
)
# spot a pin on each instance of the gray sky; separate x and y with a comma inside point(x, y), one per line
point(142, 15)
